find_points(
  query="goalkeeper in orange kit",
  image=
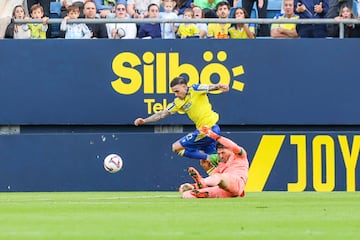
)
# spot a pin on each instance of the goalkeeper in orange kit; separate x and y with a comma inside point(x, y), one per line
point(228, 179)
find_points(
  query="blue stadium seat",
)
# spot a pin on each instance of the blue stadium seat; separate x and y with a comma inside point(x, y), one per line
point(274, 7)
point(55, 9)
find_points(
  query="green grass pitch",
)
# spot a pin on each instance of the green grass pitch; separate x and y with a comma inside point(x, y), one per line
point(164, 215)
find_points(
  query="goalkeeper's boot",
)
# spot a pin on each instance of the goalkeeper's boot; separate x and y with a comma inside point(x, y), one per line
point(197, 178)
point(199, 194)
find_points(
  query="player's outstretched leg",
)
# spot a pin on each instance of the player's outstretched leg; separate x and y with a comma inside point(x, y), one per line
point(199, 194)
point(195, 194)
point(197, 177)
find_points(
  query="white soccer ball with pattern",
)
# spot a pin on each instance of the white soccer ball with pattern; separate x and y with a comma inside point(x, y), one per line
point(113, 163)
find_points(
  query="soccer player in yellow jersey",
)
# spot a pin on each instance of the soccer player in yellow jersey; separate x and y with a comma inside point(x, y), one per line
point(193, 101)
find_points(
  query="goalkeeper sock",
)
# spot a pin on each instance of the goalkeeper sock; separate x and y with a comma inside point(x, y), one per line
point(210, 171)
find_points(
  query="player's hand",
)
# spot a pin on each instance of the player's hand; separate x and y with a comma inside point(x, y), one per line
point(139, 121)
point(206, 130)
point(223, 87)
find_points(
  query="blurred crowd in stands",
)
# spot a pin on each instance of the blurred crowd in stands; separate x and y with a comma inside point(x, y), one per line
point(172, 9)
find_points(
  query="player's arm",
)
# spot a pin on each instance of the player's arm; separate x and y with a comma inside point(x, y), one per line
point(219, 86)
point(224, 141)
point(153, 118)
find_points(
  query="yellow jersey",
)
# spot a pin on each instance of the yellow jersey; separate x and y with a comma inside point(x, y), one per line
point(38, 30)
point(288, 26)
point(217, 30)
point(196, 105)
point(189, 30)
point(235, 32)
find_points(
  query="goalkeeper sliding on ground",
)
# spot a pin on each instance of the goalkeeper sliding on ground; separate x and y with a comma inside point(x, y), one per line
point(228, 179)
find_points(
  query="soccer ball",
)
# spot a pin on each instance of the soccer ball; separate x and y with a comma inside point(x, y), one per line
point(113, 163)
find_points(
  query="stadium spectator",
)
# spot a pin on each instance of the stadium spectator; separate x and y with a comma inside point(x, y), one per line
point(187, 30)
point(106, 8)
point(74, 30)
point(46, 9)
point(285, 30)
point(121, 30)
point(38, 31)
point(151, 30)
point(15, 30)
point(139, 8)
point(193, 101)
point(242, 30)
point(220, 30)
point(261, 6)
point(203, 27)
point(309, 9)
point(228, 179)
point(44, 3)
point(6, 9)
point(66, 3)
point(335, 5)
point(350, 30)
point(97, 30)
point(168, 29)
point(181, 5)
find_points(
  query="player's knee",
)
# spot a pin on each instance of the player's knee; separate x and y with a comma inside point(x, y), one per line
point(176, 148)
point(224, 181)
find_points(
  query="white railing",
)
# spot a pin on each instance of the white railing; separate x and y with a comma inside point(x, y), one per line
point(341, 23)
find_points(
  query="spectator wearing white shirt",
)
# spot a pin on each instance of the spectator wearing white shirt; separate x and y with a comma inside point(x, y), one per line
point(121, 30)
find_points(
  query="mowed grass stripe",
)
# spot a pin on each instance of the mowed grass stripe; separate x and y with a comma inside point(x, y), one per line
point(164, 215)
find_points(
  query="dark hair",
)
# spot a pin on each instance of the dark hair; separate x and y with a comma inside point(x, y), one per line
point(73, 8)
point(178, 81)
point(219, 145)
point(153, 4)
point(36, 6)
point(223, 3)
point(243, 9)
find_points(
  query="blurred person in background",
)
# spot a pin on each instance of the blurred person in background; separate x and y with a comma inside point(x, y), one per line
point(16, 30)
point(106, 8)
point(66, 3)
point(6, 9)
point(46, 9)
point(350, 30)
point(151, 30)
point(242, 30)
point(203, 27)
point(261, 6)
point(139, 8)
point(38, 30)
point(121, 30)
point(311, 9)
point(97, 30)
point(285, 30)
